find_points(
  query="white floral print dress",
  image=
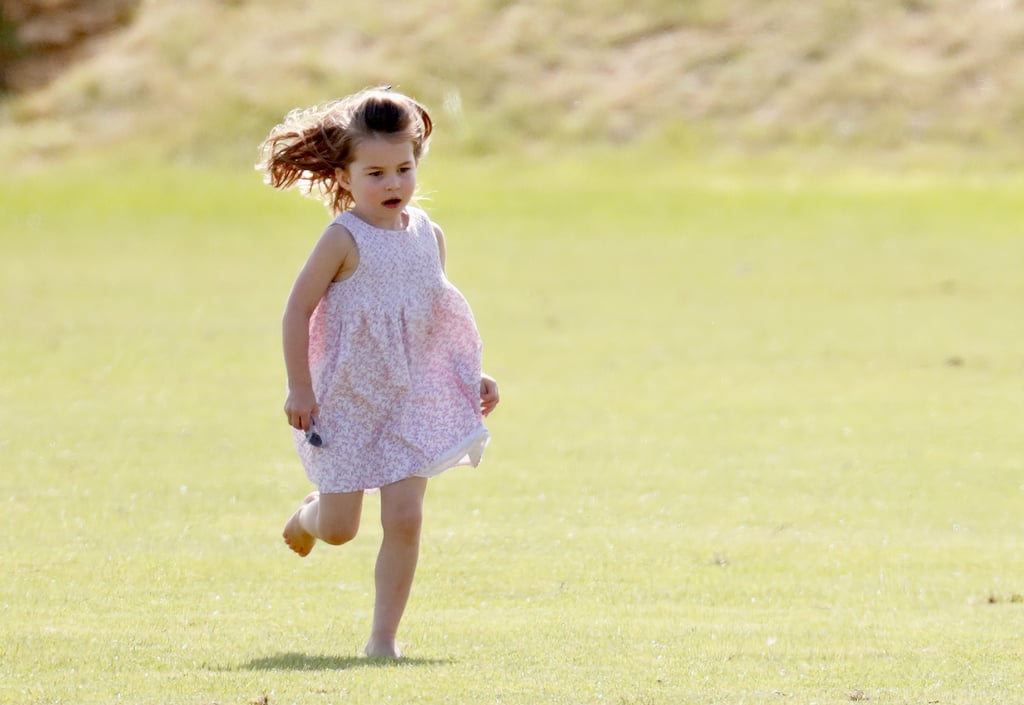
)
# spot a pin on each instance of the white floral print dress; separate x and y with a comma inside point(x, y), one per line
point(395, 357)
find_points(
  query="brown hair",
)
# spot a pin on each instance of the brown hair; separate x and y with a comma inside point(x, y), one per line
point(308, 148)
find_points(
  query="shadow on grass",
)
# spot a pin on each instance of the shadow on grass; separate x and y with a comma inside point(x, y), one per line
point(305, 662)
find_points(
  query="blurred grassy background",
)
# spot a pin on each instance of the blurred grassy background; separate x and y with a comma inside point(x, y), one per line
point(749, 273)
point(888, 80)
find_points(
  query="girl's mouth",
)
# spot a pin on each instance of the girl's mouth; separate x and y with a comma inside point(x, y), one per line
point(392, 202)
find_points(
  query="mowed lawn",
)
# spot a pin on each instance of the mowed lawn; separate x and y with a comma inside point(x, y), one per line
point(761, 441)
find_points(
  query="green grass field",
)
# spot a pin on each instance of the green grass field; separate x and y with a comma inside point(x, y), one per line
point(760, 442)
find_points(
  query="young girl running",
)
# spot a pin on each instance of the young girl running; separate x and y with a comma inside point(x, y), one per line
point(385, 387)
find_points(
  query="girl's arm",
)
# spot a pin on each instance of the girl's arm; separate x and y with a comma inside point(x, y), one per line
point(489, 396)
point(332, 257)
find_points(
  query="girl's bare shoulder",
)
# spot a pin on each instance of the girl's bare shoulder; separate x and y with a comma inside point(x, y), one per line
point(338, 236)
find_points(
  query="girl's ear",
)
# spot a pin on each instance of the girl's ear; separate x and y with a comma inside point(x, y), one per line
point(341, 176)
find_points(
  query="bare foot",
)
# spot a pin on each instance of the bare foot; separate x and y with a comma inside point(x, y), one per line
point(297, 538)
point(383, 649)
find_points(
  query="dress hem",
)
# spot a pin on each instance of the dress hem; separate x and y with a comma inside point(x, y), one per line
point(469, 452)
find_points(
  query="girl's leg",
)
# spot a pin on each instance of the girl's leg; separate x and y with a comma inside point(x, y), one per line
point(333, 518)
point(401, 510)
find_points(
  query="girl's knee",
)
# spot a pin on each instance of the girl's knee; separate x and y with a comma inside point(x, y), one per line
point(404, 523)
point(337, 519)
point(337, 532)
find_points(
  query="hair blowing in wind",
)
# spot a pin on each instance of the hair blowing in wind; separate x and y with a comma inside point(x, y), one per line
point(311, 145)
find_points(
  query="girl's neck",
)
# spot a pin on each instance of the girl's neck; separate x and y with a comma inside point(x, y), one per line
point(400, 221)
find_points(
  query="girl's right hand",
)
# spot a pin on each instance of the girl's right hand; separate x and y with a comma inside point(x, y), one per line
point(300, 407)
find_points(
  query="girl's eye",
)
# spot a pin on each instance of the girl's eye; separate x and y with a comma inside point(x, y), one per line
point(375, 174)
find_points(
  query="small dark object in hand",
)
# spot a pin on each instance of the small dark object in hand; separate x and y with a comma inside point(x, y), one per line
point(313, 437)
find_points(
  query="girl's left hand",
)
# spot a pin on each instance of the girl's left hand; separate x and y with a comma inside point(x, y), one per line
point(488, 394)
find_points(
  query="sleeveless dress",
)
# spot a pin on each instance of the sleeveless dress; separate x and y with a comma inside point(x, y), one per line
point(395, 358)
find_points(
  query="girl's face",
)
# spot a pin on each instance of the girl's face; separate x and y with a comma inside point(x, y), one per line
point(381, 179)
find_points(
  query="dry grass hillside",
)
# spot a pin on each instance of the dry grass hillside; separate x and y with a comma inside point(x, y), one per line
point(40, 38)
point(208, 77)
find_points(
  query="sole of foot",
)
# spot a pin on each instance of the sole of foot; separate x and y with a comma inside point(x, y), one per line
point(297, 538)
